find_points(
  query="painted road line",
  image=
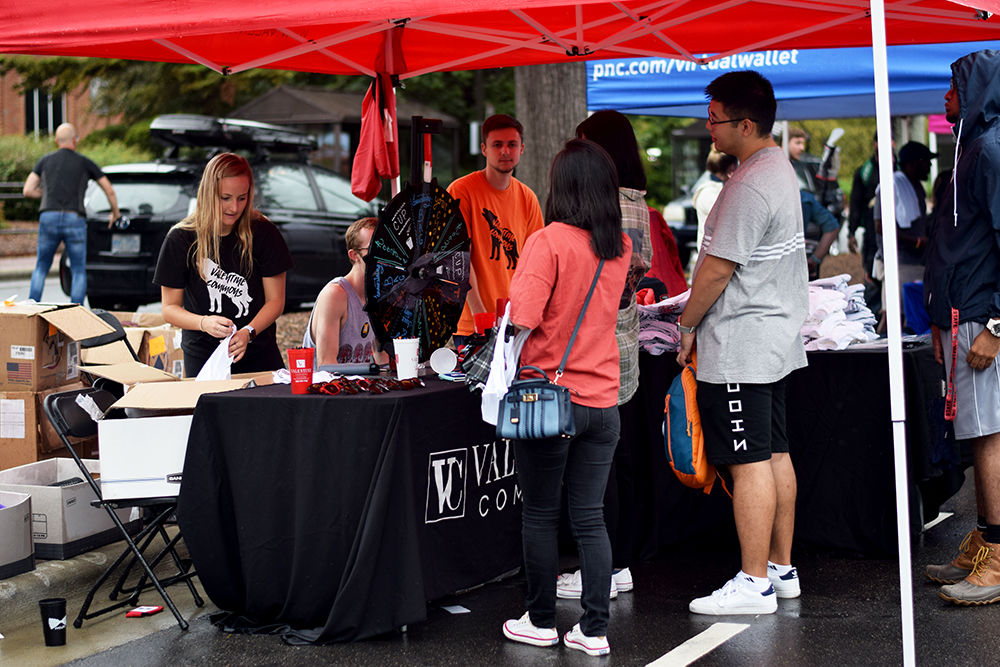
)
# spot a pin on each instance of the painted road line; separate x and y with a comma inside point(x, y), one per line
point(938, 519)
point(700, 645)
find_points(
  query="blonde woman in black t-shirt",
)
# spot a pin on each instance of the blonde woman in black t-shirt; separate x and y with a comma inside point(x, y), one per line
point(223, 268)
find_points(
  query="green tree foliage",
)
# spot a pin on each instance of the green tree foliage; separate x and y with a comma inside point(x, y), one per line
point(467, 96)
point(855, 146)
point(19, 154)
point(654, 136)
point(136, 92)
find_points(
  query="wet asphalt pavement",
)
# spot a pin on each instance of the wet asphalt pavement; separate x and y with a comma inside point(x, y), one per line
point(848, 615)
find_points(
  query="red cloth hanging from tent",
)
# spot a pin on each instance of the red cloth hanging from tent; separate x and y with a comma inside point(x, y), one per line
point(377, 156)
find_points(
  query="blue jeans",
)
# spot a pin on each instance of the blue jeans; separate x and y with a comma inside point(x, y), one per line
point(582, 464)
point(71, 229)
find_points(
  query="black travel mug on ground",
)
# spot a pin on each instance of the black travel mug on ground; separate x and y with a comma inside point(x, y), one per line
point(54, 620)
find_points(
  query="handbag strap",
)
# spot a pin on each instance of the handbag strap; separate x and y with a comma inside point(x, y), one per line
point(579, 321)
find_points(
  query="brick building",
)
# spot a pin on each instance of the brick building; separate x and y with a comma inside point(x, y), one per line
point(33, 111)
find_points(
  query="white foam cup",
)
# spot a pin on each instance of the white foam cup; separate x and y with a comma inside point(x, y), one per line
point(407, 351)
point(443, 360)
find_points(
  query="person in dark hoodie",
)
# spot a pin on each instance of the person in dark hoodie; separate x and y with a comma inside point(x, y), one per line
point(962, 292)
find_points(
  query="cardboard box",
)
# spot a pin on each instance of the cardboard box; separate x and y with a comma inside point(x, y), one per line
point(25, 432)
point(18, 428)
point(38, 344)
point(17, 554)
point(64, 524)
point(129, 373)
point(159, 347)
point(157, 343)
point(143, 457)
point(129, 319)
point(180, 395)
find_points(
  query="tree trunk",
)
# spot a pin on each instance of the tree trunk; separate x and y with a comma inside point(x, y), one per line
point(551, 100)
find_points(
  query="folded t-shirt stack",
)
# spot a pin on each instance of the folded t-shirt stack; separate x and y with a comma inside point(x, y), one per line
point(838, 315)
point(658, 324)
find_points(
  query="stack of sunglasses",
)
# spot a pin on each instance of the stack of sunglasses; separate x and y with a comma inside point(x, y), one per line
point(360, 385)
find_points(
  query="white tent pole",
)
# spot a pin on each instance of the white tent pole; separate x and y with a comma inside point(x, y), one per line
point(891, 303)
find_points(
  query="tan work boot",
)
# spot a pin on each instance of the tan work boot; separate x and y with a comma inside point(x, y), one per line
point(982, 586)
point(961, 566)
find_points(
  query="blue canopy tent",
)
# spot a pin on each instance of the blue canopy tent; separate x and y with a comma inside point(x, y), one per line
point(809, 83)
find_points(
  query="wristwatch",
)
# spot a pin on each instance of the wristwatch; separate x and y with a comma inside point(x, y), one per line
point(685, 330)
point(253, 334)
point(993, 326)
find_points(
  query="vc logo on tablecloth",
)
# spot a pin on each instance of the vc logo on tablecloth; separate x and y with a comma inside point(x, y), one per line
point(446, 476)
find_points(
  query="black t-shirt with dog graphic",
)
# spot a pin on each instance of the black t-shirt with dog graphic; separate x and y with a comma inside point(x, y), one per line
point(227, 291)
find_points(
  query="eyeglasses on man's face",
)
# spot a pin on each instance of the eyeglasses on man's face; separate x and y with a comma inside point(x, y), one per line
point(729, 120)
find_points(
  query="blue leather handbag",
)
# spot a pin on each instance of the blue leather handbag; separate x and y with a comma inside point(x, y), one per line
point(537, 408)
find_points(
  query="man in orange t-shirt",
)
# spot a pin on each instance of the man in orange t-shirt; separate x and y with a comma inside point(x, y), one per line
point(501, 212)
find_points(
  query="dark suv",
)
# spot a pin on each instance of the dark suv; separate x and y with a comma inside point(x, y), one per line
point(312, 207)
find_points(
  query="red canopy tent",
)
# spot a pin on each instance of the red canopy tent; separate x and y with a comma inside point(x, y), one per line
point(344, 37)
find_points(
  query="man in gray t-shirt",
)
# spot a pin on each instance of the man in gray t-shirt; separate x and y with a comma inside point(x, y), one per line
point(749, 298)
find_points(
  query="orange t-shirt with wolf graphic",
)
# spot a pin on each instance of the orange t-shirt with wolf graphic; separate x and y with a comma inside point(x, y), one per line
point(499, 222)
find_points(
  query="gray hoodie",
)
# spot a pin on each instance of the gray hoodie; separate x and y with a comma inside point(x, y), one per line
point(963, 258)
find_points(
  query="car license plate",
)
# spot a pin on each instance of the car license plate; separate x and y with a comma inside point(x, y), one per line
point(124, 244)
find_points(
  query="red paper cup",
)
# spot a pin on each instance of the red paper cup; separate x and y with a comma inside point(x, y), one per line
point(501, 307)
point(300, 363)
point(484, 321)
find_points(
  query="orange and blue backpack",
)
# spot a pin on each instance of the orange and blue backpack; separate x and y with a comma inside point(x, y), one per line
point(682, 434)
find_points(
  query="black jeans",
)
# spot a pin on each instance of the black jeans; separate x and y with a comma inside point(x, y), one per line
point(582, 464)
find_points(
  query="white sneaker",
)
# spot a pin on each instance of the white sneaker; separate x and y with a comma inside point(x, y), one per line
point(785, 585)
point(595, 646)
point(569, 586)
point(736, 598)
point(524, 631)
point(623, 580)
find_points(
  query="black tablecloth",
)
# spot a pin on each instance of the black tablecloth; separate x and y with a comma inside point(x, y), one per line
point(841, 445)
point(840, 430)
point(341, 516)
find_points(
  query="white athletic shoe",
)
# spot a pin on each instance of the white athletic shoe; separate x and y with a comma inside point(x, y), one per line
point(623, 580)
point(569, 586)
point(524, 631)
point(595, 646)
point(736, 598)
point(785, 585)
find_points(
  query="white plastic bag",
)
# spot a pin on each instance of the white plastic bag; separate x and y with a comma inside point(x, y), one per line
point(506, 358)
point(219, 365)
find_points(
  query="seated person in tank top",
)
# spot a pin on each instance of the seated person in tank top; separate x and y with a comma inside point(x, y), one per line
point(339, 328)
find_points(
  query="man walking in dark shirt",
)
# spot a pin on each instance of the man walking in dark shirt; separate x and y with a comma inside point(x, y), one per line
point(60, 179)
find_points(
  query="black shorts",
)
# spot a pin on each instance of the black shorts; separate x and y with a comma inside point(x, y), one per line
point(742, 423)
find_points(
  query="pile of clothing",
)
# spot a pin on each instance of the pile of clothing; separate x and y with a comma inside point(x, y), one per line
point(838, 315)
point(658, 331)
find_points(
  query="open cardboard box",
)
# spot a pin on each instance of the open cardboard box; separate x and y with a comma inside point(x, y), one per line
point(64, 523)
point(39, 345)
point(157, 346)
point(129, 373)
point(142, 456)
point(17, 554)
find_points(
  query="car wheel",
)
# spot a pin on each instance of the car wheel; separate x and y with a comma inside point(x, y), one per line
point(65, 277)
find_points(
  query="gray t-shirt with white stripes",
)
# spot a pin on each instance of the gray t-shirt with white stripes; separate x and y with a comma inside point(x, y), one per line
point(751, 333)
